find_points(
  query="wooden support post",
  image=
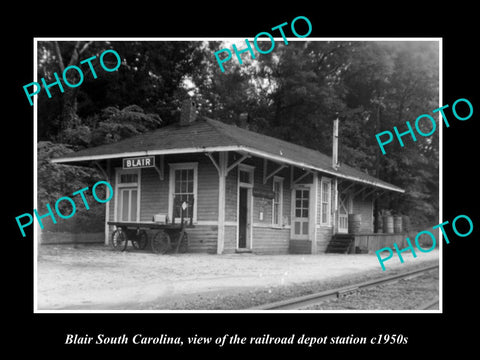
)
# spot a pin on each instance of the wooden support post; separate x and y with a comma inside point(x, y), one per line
point(313, 212)
point(107, 206)
point(102, 170)
point(378, 194)
point(221, 166)
point(213, 161)
point(362, 189)
point(267, 176)
point(239, 161)
point(366, 195)
point(344, 190)
point(160, 169)
point(106, 174)
point(222, 175)
point(307, 172)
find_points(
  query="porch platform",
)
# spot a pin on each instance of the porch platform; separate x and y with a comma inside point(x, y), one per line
point(365, 242)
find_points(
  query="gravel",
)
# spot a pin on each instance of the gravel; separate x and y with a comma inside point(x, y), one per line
point(90, 277)
point(405, 294)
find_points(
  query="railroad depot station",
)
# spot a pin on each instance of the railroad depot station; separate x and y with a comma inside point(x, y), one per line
point(241, 191)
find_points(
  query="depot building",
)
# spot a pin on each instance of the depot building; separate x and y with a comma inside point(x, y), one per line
point(247, 192)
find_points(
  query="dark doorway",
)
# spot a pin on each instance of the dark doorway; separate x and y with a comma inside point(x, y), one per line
point(242, 218)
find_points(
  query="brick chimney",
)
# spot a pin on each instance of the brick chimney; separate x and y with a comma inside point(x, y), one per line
point(188, 113)
point(243, 120)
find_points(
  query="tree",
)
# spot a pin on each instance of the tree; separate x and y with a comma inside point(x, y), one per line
point(225, 95)
point(370, 86)
point(53, 56)
point(293, 93)
point(56, 181)
point(141, 95)
point(116, 124)
point(395, 82)
point(150, 76)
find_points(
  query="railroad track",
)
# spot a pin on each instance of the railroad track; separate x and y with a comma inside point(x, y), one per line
point(431, 305)
point(316, 298)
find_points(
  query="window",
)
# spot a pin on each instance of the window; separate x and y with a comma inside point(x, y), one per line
point(183, 192)
point(128, 178)
point(128, 195)
point(277, 206)
point(245, 175)
point(301, 203)
point(183, 188)
point(325, 201)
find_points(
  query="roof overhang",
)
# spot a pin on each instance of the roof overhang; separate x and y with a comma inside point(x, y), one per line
point(282, 159)
point(237, 148)
point(145, 153)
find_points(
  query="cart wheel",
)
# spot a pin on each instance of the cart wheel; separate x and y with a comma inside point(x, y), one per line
point(141, 241)
point(183, 247)
point(119, 240)
point(161, 242)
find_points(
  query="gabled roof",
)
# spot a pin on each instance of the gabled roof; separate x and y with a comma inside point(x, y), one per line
point(207, 135)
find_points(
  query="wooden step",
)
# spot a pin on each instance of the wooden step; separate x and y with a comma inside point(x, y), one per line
point(340, 243)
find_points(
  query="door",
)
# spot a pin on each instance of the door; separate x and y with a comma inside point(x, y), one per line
point(343, 210)
point(127, 194)
point(301, 213)
point(242, 218)
point(128, 209)
point(245, 185)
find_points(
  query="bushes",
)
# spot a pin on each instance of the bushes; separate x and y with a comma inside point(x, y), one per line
point(55, 181)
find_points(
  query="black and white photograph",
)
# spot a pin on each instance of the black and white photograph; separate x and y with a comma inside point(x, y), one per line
point(256, 182)
point(223, 179)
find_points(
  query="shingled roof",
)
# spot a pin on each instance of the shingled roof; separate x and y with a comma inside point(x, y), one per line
point(207, 135)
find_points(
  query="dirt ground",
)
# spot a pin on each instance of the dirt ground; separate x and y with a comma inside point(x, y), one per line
point(94, 277)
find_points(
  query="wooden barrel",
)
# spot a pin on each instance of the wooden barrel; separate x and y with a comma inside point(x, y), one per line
point(354, 223)
point(406, 223)
point(379, 224)
point(388, 224)
point(397, 224)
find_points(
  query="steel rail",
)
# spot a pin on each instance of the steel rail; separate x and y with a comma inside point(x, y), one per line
point(430, 304)
point(313, 299)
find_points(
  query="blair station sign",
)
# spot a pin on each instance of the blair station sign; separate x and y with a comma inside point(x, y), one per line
point(139, 162)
